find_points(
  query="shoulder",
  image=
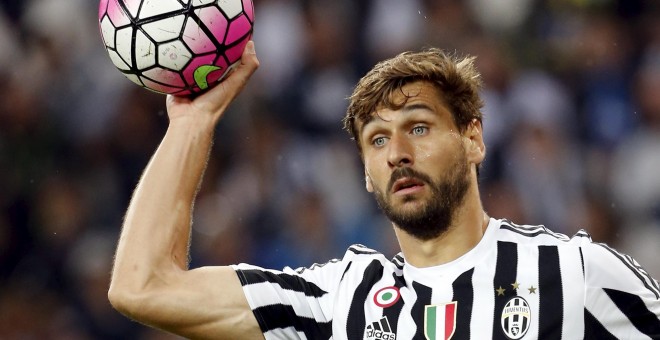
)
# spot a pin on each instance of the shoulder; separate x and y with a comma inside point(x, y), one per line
point(540, 235)
point(359, 252)
point(534, 234)
point(356, 255)
point(602, 265)
point(357, 261)
point(361, 258)
point(360, 263)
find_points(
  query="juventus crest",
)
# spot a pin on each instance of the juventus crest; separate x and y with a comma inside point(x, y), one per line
point(516, 317)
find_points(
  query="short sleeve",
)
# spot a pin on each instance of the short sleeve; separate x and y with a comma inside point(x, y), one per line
point(292, 304)
point(621, 299)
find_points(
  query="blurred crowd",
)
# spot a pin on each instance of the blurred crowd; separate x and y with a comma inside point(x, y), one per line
point(572, 126)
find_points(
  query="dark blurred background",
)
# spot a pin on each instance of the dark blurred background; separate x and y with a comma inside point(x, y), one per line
point(572, 92)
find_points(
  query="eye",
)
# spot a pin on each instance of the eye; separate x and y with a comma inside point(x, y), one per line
point(419, 130)
point(379, 141)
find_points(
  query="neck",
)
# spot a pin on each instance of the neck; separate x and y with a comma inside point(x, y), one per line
point(466, 230)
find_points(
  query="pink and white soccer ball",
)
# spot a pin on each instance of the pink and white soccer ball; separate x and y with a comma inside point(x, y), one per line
point(177, 47)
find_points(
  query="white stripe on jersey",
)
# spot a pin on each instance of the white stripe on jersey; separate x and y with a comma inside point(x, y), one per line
point(560, 278)
point(405, 318)
point(481, 325)
point(570, 268)
point(528, 257)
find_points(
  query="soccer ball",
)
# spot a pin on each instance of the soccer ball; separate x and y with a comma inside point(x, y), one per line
point(175, 47)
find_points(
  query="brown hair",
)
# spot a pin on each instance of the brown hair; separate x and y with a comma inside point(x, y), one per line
point(456, 78)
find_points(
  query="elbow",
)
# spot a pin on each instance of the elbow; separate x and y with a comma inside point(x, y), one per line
point(139, 297)
point(126, 291)
point(137, 301)
point(121, 300)
point(126, 301)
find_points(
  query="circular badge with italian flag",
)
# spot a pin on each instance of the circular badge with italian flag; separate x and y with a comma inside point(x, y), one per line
point(386, 297)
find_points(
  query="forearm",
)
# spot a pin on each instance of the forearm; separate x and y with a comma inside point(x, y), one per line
point(156, 230)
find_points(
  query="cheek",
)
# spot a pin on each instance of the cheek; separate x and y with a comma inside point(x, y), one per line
point(438, 156)
point(430, 151)
point(424, 153)
point(375, 176)
point(371, 162)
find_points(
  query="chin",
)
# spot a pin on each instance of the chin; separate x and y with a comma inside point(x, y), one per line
point(411, 209)
point(410, 203)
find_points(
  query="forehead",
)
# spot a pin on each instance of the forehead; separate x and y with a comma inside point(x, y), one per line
point(416, 91)
point(422, 93)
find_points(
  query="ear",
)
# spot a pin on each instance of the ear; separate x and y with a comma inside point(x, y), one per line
point(475, 147)
point(367, 180)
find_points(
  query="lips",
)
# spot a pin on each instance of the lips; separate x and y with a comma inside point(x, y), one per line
point(403, 184)
point(405, 181)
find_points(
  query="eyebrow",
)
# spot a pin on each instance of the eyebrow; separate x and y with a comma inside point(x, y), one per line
point(416, 106)
point(407, 108)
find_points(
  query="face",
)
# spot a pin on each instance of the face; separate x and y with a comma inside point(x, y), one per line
point(416, 162)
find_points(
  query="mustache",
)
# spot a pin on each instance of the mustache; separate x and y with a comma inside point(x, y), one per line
point(407, 172)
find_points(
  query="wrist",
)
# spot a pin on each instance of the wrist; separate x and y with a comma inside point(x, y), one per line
point(197, 128)
point(197, 124)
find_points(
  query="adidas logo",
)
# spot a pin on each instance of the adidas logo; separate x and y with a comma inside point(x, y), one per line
point(379, 330)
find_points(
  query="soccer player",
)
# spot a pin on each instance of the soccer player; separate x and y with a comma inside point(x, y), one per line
point(460, 274)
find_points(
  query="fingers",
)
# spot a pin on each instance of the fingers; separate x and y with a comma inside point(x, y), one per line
point(219, 97)
point(213, 103)
point(250, 55)
point(242, 73)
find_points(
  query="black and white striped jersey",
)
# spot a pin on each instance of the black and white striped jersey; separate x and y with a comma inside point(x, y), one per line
point(519, 282)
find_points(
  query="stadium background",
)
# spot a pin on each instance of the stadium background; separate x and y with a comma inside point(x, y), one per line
point(572, 128)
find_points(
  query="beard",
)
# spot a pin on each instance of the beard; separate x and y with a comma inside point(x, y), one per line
point(435, 216)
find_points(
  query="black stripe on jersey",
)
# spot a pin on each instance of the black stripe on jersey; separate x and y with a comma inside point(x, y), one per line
point(286, 281)
point(551, 295)
point(506, 270)
point(464, 294)
point(593, 329)
point(634, 267)
point(423, 298)
point(283, 316)
point(356, 323)
point(359, 249)
point(634, 308)
point(393, 312)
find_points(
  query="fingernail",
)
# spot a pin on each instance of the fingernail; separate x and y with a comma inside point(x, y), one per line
point(250, 47)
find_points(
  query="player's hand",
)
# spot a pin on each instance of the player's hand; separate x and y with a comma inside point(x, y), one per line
point(211, 105)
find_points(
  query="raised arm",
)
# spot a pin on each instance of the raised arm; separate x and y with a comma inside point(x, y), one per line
point(151, 281)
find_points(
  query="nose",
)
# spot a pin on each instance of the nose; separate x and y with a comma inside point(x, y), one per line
point(400, 152)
